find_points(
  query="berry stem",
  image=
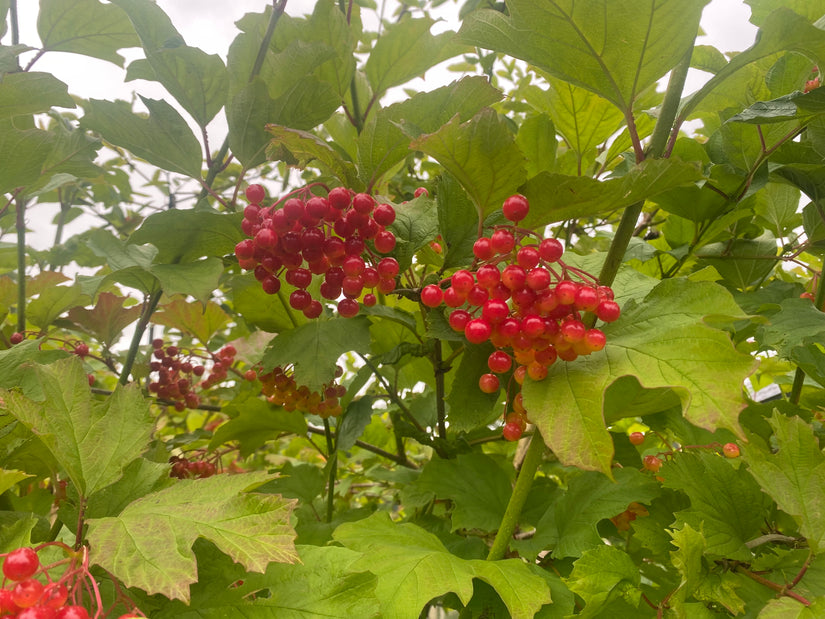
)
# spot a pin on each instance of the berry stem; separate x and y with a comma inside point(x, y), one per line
point(332, 463)
point(21, 263)
point(150, 303)
point(532, 459)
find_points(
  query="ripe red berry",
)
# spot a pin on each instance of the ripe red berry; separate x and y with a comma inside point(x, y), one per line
point(81, 349)
point(384, 214)
point(731, 450)
point(499, 362)
point(512, 431)
point(72, 612)
point(250, 375)
point(483, 248)
point(431, 295)
point(348, 308)
point(587, 299)
point(503, 241)
point(516, 207)
point(637, 438)
point(458, 319)
point(420, 191)
point(608, 311)
point(538, 278)
point(27, 593)
point(54, 595)
point(488, 276)
point(388, 268)
point(363, 203)
point(299, 299)
point(566, 292)
point(313, 310)
point(551, 250)
point(462, 281)
point(514, 277)
point(528, 257)
point(20, 564)
point(573, 331)
point(384, 242)
point(594, 340)
point(339, 198)
point(16, 338)
point(488, 383)
point(477, 331)
point(255, 193)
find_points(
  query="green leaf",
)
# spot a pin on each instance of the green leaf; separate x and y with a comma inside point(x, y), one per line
point(797, 323)
point(783, 30)
point(601, 575)
point(268, 312)
point(704, 369)
point(164, 139)
point(406, 50)
point(687, 560)
point(198, 279)
point(776, 207)
point(136, 546)
point(727, 520)
point(257, 423)
point(15, 373)
point(481, 154)
point(569, 526)
point(536, 139)
point(85, 27)
point(32, 93)
point(354, 421)
point(140, 477)
point(793, 476)
point(52, 302)
point(470, 408)
point(183, 236)
point(297, 481)
point(787, 608)
point(614, 48)
point(457, 221)
point(313, 348)
point(810, 9)
point(741, 262)
point(583, 118)
point(556, 197)
point(475, 483)
point(413, 567)
point(107, 320)
point(307, 148)
point(201, 320)
point(797, 106)
point(92, 439)
point(10, 478)
point(247, 113)
point(130, 264)
point(385, 139)
point(415, 225)
point(22, 155)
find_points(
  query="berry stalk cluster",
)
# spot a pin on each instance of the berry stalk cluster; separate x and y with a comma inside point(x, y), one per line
point(280, 388)
point(338, 237)
point(525, 300)
point(179, 373)
point(31, 590)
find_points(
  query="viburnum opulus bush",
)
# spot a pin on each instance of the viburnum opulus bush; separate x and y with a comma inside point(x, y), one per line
point(523, 345)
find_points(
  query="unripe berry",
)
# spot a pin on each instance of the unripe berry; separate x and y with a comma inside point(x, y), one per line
point(636, 438)
point(488, 383)
point(652, 463)
point(731, 450)
point(511, 431)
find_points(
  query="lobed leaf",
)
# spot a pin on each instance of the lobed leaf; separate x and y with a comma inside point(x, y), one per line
point(149, 544)
point(32, 93)
point(664, 342)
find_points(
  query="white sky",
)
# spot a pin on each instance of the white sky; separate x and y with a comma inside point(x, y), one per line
point(209, 24)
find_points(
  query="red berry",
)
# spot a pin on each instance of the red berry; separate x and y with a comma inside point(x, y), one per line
point(516, 207)
point(477, 331)
point(551, 250)
point(528, 257)
point(431, 295)
point(608, 311)
point(20, 564)
point(339, 198)
point(313, 310)
point(458, 319)
point(483, 249)
point(54, 595)
point(388, 268)
point(299, 299)
point(731, 450)
point(566, 292)
point(369, 299)
point(255, 193)
point(503, 241)
point(538, 278)
point(317, 207)
point(250, 375)
point(488, 383)
point(512, 431)
point(594, 340)
point(452, 298)
point(384, 242)
point(652, 463)
point(420, 191)
point(384, 214)
point(72, 612)
point(348, 308)
point(27, 593)
point(488, 276)
point(499, 362)
point(363, 203)
point(587, 299)
point(16, 338)
point(573, 331)
point(462, 281)
point(514, 277)
point(271, 284)
point(536, 371)
point(637, 438)
point(81, 349)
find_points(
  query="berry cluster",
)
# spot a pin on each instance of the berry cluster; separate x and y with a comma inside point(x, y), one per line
point(178, 373)
point(522, 297)
point(31, 592)
point(189, 469)
point(280, 388)
point(328, 236)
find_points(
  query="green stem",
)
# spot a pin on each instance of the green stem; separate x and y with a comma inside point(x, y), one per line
point(218, 162)
point(149, 306)
point(21, 264)
point(15, 26)
point(332, 463)
point(799, 375)
point(529, 466)
point(438, 366)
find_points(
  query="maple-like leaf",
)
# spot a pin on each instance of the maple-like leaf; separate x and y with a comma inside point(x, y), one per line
point(107, 319)
point(149, 544)
point(663, 341)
